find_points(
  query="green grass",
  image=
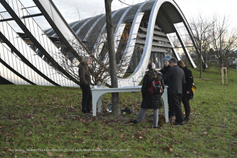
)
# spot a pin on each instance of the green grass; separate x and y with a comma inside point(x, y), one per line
point(38, 121)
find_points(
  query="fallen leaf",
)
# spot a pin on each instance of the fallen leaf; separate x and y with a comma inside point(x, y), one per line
point(60, 155)
point(148, 155)
point(49, 153)
point(128, 156)
point(29, 133)
point(205, 133)
point(98, 148)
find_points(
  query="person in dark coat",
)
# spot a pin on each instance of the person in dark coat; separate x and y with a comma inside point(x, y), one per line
point(85, 82)
point(163, 71)
point(187, 89)
point(165, 68)
point(176, 78)
point(150, 101)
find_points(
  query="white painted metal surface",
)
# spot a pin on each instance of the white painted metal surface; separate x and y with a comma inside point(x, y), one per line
point(182, 42)
point(34, 59)
point(62, 26)
point(15, 63)
point(142, 66)
point(99, 42)
point(83, 25)
point(98, 92)
point(67, 32)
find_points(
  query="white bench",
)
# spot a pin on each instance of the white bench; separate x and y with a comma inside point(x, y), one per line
point(98, 92)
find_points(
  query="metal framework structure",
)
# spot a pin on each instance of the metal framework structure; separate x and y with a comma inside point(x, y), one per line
point(35, 56)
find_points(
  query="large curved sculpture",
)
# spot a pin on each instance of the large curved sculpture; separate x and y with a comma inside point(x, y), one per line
point(141, 31)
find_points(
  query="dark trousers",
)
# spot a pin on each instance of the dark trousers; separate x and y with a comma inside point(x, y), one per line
point(186, 108)
point(175, 101)
point(86, 98)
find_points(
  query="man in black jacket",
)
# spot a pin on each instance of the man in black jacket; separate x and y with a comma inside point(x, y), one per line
point(165, 69)
point(176, 78)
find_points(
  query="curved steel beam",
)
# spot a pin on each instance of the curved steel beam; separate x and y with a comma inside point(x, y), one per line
point(99, 38)
point(78, 31)
point(138, 73)
point(118, 33)
point(16, 66)
point(36, 42)
point(92, 27)
point(180, 39)
point(15, 77)
point(189, 30)
point(10, 75)
point(75, 23)
point(136, 77)
point(61, 27)
point(35, 78)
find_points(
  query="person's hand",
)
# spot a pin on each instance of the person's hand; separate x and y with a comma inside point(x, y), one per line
point(188, 92)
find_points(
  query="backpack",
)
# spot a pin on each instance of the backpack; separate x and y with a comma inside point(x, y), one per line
point(156, 87)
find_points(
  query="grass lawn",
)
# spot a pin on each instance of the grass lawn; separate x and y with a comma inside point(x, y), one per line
point(38, 121)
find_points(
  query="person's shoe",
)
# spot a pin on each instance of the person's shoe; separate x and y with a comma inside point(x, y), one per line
point(170, 116)
point(186, 119)
point(84, 112)
point(178, 123)
point(134, 121)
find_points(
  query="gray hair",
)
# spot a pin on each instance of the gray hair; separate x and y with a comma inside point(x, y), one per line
point(173, 60)
point(85, 59)
point(151, 66)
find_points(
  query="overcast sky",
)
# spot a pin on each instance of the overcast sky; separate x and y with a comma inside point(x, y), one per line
point(73, 10)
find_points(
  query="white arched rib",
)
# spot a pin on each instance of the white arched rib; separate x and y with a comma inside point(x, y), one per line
point(128, 52)
point(118, 32)
point(139, 72)
point(92, 27)
point(99, 45)
point(19, 66)
point(34, 59)
point(71, 28)
point(82, 26)
point(141, 68)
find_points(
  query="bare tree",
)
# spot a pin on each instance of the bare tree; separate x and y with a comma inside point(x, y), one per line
point(110, 39)
point(99, 70)
point(102, 69)
point(224, 41)
point(216, 41)
point(202, 29)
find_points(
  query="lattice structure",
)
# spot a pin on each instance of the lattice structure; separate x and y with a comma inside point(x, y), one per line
point(35, 56)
